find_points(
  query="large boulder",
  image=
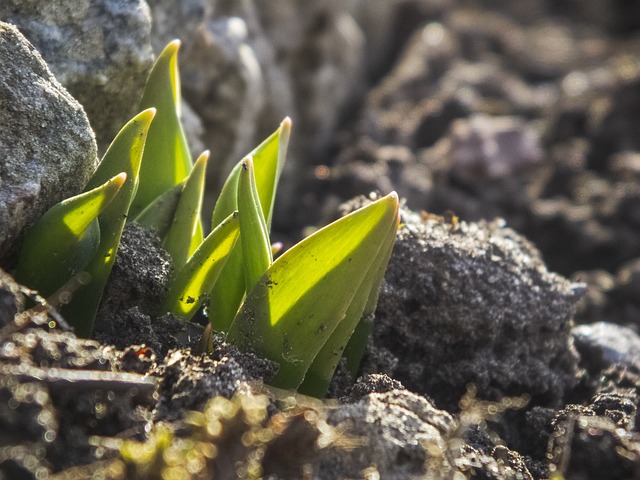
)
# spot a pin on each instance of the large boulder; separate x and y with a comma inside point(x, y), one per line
point(47, 148)
point(99, 50)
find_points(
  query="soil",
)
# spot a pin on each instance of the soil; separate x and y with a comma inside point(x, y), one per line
point(509, 130)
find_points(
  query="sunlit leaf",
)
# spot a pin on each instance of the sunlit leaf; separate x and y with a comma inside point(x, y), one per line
point(254, 238)
point(167, 160)
point(124, 155)
point(349, 339)
point(268, 160)
point(65, 239)
point(357, 345)
point(193, 282)
point(298, 303)
point(186, 219)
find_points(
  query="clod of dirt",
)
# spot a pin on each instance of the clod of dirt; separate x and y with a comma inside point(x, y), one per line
point(367, 384)
point(139, 276)
point(137, 285)
point(57, 391)
point(473, 303)
point(600, 439)
point(188, 381)
point(586, 446)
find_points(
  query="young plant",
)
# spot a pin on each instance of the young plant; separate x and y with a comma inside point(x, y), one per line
point(65, 239)
point(167, 160)
point(268, 160)
point(122, 157)
point(305, 311)
point(305, 307)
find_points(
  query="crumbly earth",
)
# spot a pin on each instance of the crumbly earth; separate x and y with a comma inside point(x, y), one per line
point(472, 303)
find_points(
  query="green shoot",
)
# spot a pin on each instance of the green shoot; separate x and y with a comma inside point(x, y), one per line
point(124, 155)
point(193, 282)
point(160, 213)
point(178, 241)
point(268, 160)
point(306, 293)
point(256, 247)
point(167, 160)
point(349, 339)
point(65, 239)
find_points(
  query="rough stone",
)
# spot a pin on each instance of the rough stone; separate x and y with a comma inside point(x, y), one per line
point(604, 344)
point(473, 303)
point(47, 149)
point(403, 434)
point(99, 50)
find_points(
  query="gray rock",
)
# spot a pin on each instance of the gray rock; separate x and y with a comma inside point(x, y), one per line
point(603, 344)
point(473, 303)
point(401, 435)
point(47, 148)
point(99, 50)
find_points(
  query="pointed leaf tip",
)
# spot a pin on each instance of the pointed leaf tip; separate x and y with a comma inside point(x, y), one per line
point(203, 158)
point(146, 115)
point(120, 178)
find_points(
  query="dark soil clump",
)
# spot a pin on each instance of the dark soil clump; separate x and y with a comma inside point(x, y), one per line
point(473, 304)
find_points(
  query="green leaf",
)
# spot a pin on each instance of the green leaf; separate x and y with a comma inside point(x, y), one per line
point(298, 303)
point(268, 160)
point(124, 155)
point(159, 213)
point(349, 339)
point(191, 283)
point(183, 230)
point(167, 160)
point(65, 239)
point(357, 345)
point(254, 238)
